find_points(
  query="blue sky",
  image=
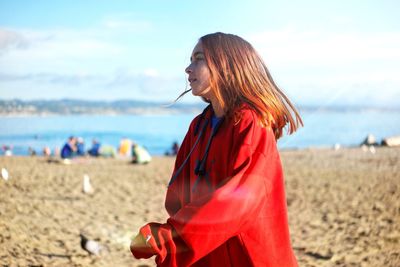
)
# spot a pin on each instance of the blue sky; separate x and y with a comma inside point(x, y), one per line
point(319, 52)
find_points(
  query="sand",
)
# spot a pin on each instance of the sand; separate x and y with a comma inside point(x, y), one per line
point(344, 208)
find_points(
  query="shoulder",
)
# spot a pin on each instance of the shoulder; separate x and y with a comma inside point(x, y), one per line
point(245, 115)
point(249, 129)
point(245, 123)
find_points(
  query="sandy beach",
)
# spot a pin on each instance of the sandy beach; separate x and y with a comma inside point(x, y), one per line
point(344, 208)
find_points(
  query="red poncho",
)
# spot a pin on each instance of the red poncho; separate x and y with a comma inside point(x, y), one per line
point(233, 213)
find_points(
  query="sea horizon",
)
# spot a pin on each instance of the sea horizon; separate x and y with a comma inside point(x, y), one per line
point(157, 132)
point(71, 106)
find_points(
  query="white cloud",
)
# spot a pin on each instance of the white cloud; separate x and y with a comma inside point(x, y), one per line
point(326, 48)
point(122, 84)
point(151, 72)
point(12, 40)
point(50, 78)
point(334, 67)
point(126, 23)
point(62, 54)
point(149, 82)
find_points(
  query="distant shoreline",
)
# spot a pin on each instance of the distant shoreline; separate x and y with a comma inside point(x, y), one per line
point(42, 108)
point(149, 112)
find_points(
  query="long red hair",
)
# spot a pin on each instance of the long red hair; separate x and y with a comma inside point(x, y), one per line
point(239, 75)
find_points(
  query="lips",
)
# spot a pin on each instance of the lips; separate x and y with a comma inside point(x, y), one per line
point(191, 80)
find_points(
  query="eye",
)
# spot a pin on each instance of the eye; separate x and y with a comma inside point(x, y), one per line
point(199, 57)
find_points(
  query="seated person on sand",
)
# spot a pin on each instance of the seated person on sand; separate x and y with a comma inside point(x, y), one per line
point(31, 151)
point(80, 147)
point(7, 149)
point(69, 148)
point(46, 151)
point(54, 158)
point(174, 150)
point(95, 149)
point(140, 155)
point(124, 149)
point(107, 151)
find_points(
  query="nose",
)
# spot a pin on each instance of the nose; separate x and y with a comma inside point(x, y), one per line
point(188, 69)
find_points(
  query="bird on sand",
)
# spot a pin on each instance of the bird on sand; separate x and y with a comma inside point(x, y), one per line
point(4, 174)
point(91, 246)
point(87, 186)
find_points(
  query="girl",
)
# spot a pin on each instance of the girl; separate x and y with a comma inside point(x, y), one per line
point(226, 198)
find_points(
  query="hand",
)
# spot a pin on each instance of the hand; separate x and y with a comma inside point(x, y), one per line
point(139, 247)
point(138, 241)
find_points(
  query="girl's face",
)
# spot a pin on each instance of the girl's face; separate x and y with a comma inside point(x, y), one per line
point(199, 73)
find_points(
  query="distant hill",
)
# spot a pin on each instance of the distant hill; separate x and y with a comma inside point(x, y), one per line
point(76, 106)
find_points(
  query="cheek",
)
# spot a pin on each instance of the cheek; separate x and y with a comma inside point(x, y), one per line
point(205, 76)
point(205, 83)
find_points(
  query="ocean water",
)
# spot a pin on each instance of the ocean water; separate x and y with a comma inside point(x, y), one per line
point(158, 132)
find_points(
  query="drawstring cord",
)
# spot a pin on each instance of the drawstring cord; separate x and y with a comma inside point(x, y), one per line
point(200, 169)
point(200, 166)
point(190, 153)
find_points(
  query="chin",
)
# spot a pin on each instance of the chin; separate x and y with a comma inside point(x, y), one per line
point(201, 92)
point(195, 93)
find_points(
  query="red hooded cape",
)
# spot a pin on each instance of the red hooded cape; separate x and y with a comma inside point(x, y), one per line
point(234, 212)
